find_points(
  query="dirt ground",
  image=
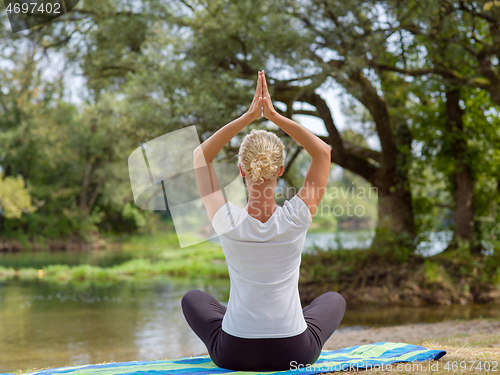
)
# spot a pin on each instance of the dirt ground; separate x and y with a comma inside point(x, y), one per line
point(411, 332)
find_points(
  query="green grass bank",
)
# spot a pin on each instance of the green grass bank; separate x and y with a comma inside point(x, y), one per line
point(361, 276)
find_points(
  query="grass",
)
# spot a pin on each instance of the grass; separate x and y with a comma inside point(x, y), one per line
point(144, 257)
point(465, 354)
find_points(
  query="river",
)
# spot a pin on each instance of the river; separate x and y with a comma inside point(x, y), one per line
point(51, 325)
point(46, 324)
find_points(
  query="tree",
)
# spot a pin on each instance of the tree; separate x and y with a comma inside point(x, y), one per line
point(294, 36)
point(70, 155)
point(14, 197)
point(460, 41)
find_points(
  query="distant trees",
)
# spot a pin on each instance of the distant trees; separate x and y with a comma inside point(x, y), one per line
point(461, 43)
point(70, 154)
point(423, 75)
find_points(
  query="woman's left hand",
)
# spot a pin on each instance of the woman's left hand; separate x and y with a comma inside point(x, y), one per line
point(255, 110)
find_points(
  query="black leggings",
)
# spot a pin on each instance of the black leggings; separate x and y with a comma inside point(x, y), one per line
point(204, 315)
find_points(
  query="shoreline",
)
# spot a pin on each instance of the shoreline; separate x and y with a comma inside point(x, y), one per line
point(413, 332)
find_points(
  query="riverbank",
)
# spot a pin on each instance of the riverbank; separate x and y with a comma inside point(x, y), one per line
point(371, 277)
point(472, 346)
point(134, 258)
point(459, 331)
point(361, 275)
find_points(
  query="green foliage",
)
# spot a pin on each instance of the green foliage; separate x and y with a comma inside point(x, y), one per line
point(349, 201)
point(433, 168)
point(132, 213)
point(396, 246)
point(352, 201)
point(72, 163)
point(489, 4)
point(14, 197)
point(435, 273)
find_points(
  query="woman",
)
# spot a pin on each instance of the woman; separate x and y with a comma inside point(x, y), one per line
point(264, 327)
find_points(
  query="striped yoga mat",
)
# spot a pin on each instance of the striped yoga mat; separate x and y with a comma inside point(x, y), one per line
point(376, 355)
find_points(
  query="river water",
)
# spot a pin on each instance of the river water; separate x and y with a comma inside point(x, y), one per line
point(51, 325)
point(45, 325)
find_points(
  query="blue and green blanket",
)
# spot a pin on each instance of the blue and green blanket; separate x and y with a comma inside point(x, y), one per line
point(376, 355)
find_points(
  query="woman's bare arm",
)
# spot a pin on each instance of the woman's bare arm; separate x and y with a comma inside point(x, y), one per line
point(204, 154)
point(317, 176)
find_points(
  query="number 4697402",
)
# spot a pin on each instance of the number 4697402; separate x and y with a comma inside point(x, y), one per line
point(33, 8)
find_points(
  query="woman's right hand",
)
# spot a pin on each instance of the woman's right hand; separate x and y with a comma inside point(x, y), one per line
point(269, 110)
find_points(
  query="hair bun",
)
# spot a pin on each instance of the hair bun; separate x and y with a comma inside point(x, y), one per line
point(261, 154)
point(261, 167)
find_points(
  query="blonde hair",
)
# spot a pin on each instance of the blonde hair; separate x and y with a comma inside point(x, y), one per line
point(261, 154)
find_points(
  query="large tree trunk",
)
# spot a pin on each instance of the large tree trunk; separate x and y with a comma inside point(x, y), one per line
point(395, 218)
point(386, 170)
point(87, 176)
point(462, 177)
point(464, 210)
point(87, 199)
point(395, 225)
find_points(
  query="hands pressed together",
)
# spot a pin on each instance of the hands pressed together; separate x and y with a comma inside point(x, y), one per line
point(261, 103)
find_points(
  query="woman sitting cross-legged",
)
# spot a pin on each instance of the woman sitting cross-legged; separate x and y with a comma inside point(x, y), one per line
point(264, 327)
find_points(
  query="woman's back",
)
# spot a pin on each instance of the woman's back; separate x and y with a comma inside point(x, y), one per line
point(263, 261)
point(263, 327)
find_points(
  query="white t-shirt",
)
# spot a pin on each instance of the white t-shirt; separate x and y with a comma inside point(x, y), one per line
point(263, 261)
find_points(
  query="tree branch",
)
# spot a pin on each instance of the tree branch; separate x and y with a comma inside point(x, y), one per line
point(362, 151)
point(340, 156)
point(363, 90)
point(306, 112)
point(482, 15)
